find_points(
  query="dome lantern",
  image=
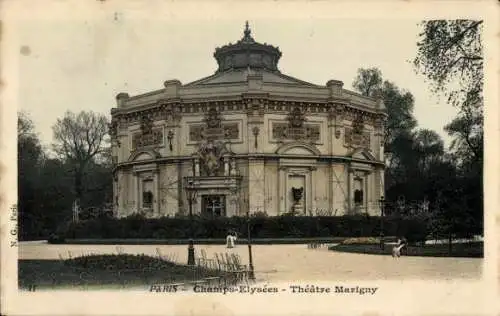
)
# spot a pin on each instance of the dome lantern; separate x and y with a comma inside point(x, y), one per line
point(247, 53)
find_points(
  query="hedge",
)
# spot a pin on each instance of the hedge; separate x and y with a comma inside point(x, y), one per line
point(414, 229)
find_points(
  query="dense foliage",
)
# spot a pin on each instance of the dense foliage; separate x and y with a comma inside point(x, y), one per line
point(46, 185)
point(470, 250)
point(119, 262)
point(450, 55)
point(260, 227)
point(418, 167)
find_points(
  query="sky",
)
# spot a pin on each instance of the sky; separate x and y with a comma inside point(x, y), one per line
point(82, 64)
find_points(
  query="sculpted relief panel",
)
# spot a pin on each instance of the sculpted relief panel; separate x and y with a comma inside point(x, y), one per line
point(296, 128)
point(148, 135)
point(154, 138)
point(356, 135)
point(356, 139)
point(197, 131)
point(213, 128)
point(284, 131)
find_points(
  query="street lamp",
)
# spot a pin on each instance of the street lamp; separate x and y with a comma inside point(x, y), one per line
point(191, 195)
point(382, 205)
point(251, 274)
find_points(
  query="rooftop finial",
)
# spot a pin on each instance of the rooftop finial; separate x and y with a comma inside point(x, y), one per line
point(247, 37)
point(247, 29)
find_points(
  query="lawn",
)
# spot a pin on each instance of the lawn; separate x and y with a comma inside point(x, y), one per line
point(105, 271)
point(472, 250)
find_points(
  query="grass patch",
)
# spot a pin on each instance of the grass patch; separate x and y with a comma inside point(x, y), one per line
point(122, 270)
point(470, 250)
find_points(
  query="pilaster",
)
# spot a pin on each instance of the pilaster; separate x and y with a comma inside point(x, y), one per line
point(137, 191)
point(281, 190)
point(156, 194)
point(256, 185)
point(313, 199)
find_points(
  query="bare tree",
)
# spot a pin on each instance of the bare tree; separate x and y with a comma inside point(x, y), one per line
point(80, 139)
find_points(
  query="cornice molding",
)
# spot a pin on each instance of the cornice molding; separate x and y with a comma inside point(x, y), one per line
point(271, 157)
point(173, 110)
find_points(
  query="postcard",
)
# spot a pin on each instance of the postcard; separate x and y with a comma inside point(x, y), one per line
point(250, 158)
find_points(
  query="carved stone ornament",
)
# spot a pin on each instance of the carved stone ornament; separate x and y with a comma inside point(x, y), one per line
point(113, 131)
point(340, 110)
point(170, 136)
point(155, 138)
point(296, 118)
point(297, 194)
point(197, 132)
point(213, 118)
point(210, 153)
point(352, 139)
point(146, 125)
point(255, 132)
point(358, 125)
point(309, 132)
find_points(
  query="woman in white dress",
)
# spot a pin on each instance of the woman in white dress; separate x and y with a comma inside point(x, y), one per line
point(230, 240)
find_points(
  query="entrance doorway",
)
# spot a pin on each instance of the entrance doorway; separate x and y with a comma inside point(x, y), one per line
point(213, 205)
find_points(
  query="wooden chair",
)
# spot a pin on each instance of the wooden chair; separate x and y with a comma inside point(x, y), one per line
point(241, 269)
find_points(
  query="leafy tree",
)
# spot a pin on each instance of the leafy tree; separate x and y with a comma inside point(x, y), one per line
point(368, 81)
point(467, 131)
point(80, 139)
point(429, 147)
point(29, 158)
point(98, 185)
point(450, 55)
point(399, 103)
point(55, 194)
point(399, 134)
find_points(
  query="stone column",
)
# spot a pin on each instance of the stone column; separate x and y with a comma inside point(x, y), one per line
point(156, 196)
point(281, 190)
point(256, 184)
point(331, 129)
point(196, 168)
point(350, 183)
point(172, 194)
point(313, 198)
point(137, 190)
point(232, 204)
point(226, 166)
point(331, 187)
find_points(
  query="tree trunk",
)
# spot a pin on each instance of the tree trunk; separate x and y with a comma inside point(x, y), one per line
point(78, 185)
point(449, 244)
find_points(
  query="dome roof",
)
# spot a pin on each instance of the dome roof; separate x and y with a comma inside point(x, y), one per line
point(247, 53)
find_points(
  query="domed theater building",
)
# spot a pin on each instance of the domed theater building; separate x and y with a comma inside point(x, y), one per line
point(247, 138)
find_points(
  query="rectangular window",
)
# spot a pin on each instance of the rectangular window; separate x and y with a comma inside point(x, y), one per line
point(358, 191)
point(214, 205)
point(147, 194)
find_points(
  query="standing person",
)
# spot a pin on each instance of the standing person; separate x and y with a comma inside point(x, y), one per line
point(235, 237)
point(230, 240)
point(404, 242)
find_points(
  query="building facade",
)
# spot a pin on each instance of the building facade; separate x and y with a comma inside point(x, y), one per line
point(248, 139)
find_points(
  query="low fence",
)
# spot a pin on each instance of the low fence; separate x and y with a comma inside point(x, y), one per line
point(227, 268)
point(224, 269)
